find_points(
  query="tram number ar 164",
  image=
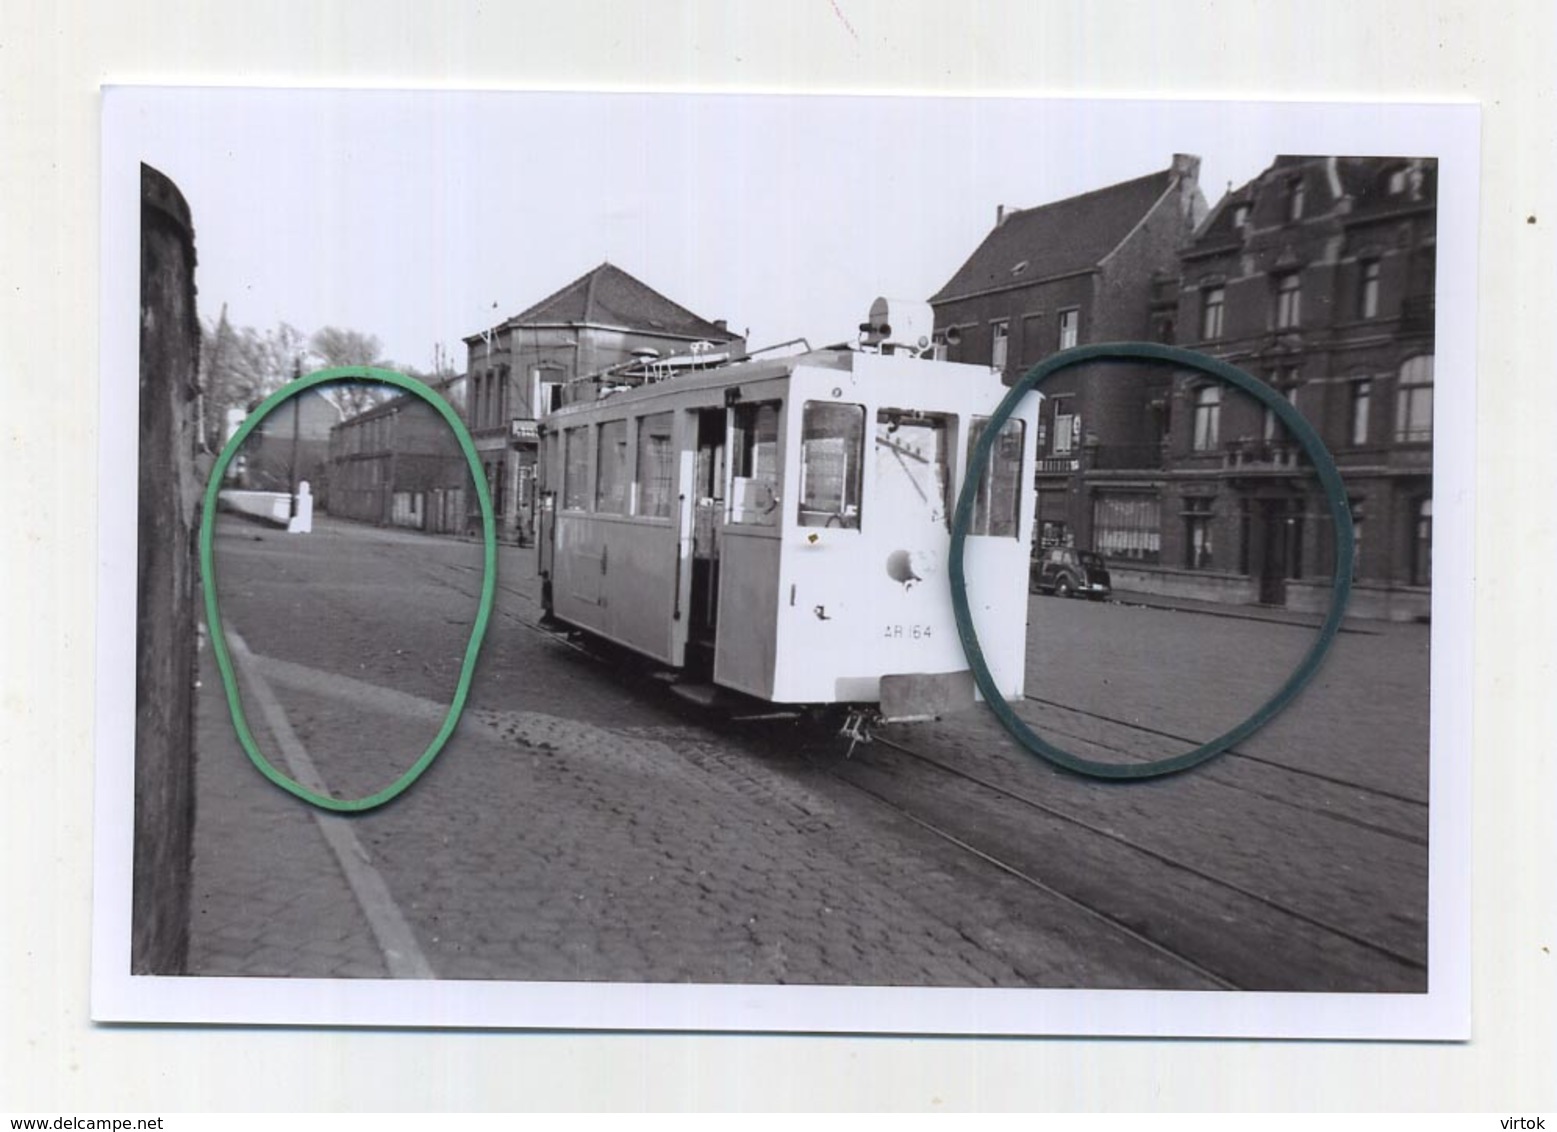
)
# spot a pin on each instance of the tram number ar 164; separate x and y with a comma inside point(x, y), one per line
point(907, 632)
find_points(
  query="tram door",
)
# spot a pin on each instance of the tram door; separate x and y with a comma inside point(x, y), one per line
point(707, 515)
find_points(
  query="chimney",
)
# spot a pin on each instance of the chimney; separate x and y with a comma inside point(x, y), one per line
point(722, 323)
point(1000, 215)
point(1185, 172)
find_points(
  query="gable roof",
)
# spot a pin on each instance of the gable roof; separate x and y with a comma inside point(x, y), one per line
point(608, 296)
point(1071, 235)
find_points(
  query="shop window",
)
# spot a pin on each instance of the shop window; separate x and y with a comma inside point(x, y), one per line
point(1127, 525)
point(832, 448)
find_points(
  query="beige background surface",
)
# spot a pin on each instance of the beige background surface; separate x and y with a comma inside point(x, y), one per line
point(54, 56)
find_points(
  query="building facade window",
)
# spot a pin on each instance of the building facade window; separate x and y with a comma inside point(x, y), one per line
point(1368, 292)
point(1208, 417)
point(1070, 328)
point(1032, 339)
point(546, 384)
point(999, 343)
point(1359, 517)
point(1422, 544)
point(1361, 399)
point(1212, 301)
point(1414, 401)
point(1295, 194)
point(1062, 440)
point(1240, 215)
point(1127, 525)
point(1289, 300)
point(1197, 533)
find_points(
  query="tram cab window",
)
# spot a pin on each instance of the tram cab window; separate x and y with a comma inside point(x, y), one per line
point(913, 474)
point(997, 506)
point(611, 478)
point(832, 449)
point(656, 466)
point(754, 466)
point(575, 472)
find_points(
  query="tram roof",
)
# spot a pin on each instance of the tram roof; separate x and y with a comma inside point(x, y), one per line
point(840, 358)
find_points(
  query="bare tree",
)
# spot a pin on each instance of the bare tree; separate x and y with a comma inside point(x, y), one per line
point(240, 367)
point(334, 346)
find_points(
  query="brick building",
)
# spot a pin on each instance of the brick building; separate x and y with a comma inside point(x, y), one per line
point(290, 445)
point(542, 357)
point(399, 464)
point(1318, 277)
point(1079, 271)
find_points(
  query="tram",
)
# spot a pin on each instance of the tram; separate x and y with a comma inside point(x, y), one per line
point(779, 527)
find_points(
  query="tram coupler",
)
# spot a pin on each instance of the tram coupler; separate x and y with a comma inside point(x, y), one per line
point(858, 727)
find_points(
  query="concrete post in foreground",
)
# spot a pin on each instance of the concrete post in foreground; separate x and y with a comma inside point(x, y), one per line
point(165, 657)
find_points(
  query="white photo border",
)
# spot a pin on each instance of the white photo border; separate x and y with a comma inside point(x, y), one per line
point(1447, 131)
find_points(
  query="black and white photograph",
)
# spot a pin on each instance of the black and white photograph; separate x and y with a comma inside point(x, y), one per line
point(784, 579)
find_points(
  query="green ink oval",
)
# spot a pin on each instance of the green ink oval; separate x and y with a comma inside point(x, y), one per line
point(213, 605)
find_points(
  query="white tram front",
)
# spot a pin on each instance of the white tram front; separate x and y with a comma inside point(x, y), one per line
point(780, 527)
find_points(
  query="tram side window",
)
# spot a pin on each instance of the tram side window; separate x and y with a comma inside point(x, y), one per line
point(997, 506)
point(913, 474)
point(611, 478)
point(832, 448)
point(754, 467)
point(656, 466)
point(575, 473)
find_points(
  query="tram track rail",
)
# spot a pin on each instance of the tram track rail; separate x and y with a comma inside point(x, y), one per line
point(1235, 754)
point(1138, 846)
point(884, 790)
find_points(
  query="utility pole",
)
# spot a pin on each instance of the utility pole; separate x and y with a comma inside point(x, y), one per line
point(297, 372)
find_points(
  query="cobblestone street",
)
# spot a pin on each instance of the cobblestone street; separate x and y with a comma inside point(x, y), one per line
point(584, 825)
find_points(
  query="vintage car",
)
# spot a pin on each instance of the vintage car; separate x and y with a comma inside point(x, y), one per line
point(1068, 572)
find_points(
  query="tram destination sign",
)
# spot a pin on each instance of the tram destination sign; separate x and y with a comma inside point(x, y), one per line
point(524, 428)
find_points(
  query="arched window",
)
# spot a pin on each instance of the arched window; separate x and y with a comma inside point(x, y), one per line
point(1414, 401)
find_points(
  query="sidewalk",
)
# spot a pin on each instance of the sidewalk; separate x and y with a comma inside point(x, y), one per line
point(1273, 614)
point(269, 897)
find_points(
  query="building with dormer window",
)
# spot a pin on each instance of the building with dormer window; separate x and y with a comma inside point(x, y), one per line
point(1318, 277)
point(1078, 271)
